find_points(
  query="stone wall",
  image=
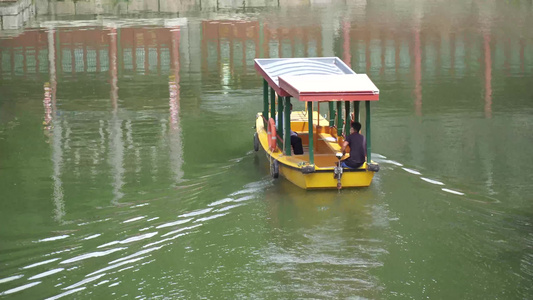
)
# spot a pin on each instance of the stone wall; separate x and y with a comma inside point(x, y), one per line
point(13, 15)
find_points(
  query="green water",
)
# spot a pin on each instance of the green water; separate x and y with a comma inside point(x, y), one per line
point(134, 176)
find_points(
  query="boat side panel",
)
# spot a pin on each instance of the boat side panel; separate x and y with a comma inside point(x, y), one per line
point(318, 180)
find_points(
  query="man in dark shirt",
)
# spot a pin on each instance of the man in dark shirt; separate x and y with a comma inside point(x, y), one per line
point(357, 144)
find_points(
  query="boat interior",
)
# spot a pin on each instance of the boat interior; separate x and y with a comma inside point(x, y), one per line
point(324, 140)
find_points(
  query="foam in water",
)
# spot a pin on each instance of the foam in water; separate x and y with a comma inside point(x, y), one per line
point(142, 252)
point(54, 238)
point(90, 255)
point(432, 181)
point(66, 293)
point(84, 281)
point(116, 266)
point(225, 200)
point(180, 230)
point(47, 273)
point(20, 288)
point(195, 213)
point(228, 207)
point(139, 237)
point(453, 192)
point(411, 171)
point(245, 191)
point(41, 263)
point(173, 223)
point(244, 198)
point(11, 278)
point(134, 219)
point(93, 236)
point(210, 217)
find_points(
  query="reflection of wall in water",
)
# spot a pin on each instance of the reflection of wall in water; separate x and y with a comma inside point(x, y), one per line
point(229, 46)
point(86, 142)
point(86, 50)
point(91, 7)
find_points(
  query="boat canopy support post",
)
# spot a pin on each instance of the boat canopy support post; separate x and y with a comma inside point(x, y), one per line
point(368, 144)
point(356, 112)
point(347, 118)
point(287, 127)
point(331, 114)
point(339, 118)
point(310, 122)
point(280, 121)
point(272, 103)
point(265, 102)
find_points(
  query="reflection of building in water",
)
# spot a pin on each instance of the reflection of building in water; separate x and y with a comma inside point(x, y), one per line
point(298, 41)
point(68, 59)
point(426, 52)
point(92, 7)
point(227, 45)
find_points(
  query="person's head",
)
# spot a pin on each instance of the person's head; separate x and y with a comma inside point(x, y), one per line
point(291, 106)
point(356, 126)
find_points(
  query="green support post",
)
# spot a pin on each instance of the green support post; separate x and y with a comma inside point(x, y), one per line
point(310, 122)
point(339, 118)
point(368, 144)
point(272, 103)
point(347, 118)
point(331, 114)
point(265, 102)
point(287, 127)
point(356, 111)
point(280, 120)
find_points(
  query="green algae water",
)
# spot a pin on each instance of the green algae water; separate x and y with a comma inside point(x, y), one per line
point(127, 167)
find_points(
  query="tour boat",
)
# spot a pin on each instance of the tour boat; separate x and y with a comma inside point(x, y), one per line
point(313, 81)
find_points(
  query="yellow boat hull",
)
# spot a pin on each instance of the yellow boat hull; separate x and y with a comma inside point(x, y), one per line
point(322, 177)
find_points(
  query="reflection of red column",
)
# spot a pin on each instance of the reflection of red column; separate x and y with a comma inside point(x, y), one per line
point(347, 55)
point(47, 103)
point(113, 67)
point(231, 42)
point(176, 149)
point(396, 52)
point(266, 40)
point(204, 48)
point(174, 87)
point(146, 41)
point(256, 40)
point(52, 55)
point(418, 74)
point(367, 52)
point(488, 76)
point(279, 33)
point(383, 49)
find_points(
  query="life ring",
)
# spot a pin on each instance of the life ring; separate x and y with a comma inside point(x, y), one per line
point(272, 134)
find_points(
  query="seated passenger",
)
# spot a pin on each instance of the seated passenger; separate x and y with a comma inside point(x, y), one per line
point(357, 143)
point(296, 141)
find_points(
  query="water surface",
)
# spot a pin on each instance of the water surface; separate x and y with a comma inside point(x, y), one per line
point(127, 166)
